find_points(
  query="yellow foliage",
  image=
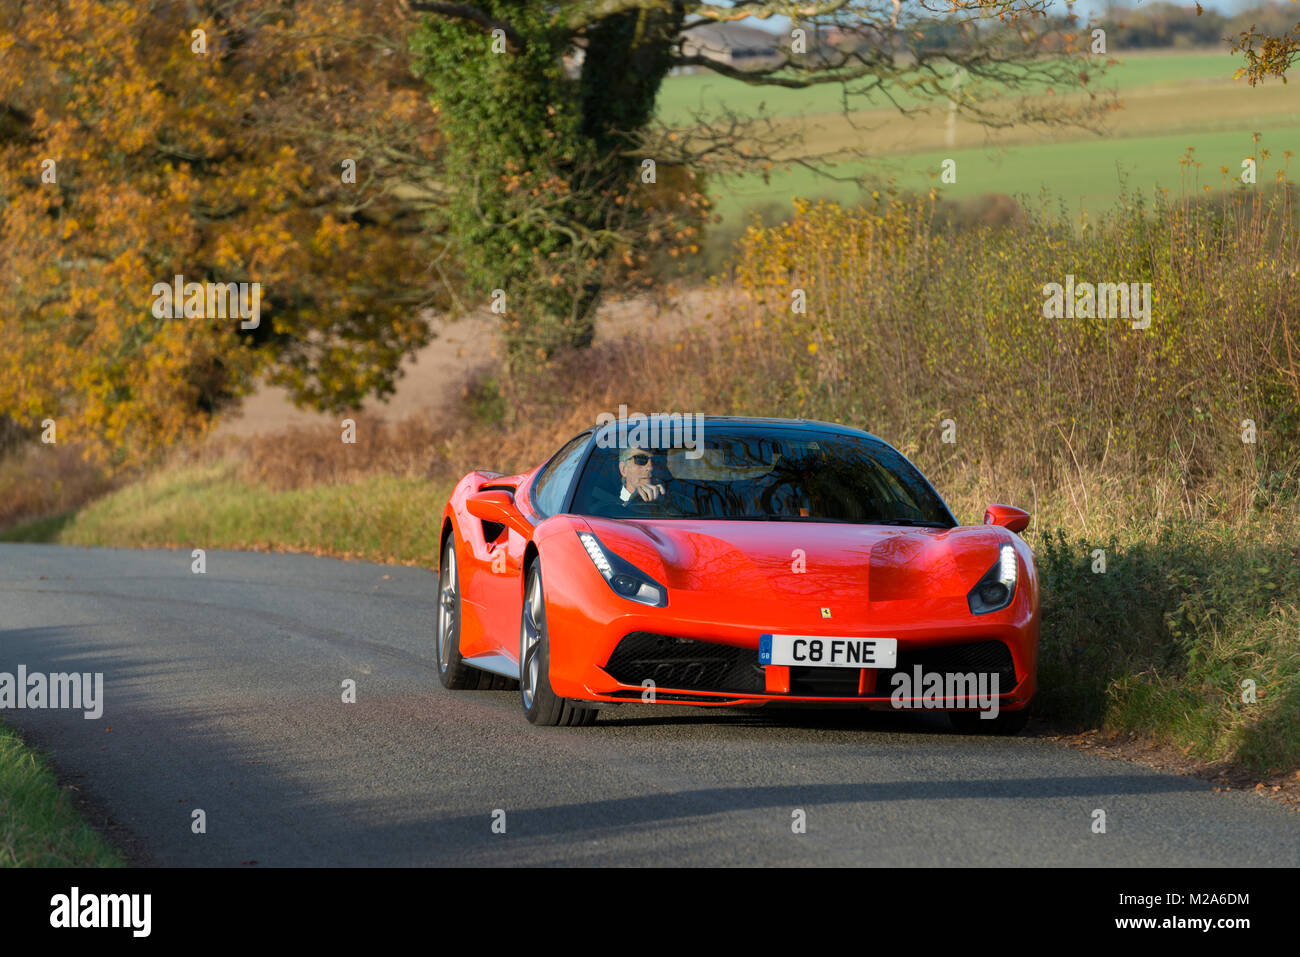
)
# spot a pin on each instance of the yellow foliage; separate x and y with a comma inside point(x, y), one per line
point(159, 172)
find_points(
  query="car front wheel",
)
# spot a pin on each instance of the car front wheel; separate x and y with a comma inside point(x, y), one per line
point(541, 704)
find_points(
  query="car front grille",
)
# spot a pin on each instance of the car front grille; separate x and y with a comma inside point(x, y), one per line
point(683, 663)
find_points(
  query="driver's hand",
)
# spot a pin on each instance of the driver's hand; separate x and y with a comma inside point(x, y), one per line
point(649, 493)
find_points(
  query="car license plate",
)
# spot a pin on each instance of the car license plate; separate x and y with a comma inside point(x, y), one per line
point(823, 651)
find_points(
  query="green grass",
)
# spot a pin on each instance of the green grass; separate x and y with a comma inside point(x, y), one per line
point(38, 530)
point(379, 518)
point(1089, 173)
point(39, 827)
point(1092, 169)
point(1139, 69)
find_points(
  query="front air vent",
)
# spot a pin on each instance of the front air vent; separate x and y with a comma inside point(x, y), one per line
point(685, 664)
point(986, 657)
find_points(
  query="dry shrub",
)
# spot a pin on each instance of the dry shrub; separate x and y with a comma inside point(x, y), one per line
point(907, 326)
point(306, 456)
point(37, 481)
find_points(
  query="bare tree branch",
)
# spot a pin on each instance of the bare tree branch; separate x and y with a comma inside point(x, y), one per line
point(768, 77)
point(579, 15)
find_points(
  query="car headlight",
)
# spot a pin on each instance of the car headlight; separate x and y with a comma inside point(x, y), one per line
point(995, 590)
point(625, 579)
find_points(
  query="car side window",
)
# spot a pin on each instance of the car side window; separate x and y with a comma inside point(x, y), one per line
point(553, 483)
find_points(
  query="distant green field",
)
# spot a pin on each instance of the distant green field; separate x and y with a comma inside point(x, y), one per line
point(1170, 101)
point(707, 92)
point(1092, 169)
point(1085, 173)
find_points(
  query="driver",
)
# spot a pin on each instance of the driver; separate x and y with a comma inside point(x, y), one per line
point(636, 467)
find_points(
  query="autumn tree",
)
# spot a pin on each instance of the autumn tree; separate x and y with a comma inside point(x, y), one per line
point(1271, 50)
point(549, 116)
point(281, 143)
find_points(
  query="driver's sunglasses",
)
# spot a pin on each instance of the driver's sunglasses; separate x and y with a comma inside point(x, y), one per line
point(639, 459)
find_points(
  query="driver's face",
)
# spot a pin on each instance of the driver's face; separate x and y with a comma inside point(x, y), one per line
point(636, 469)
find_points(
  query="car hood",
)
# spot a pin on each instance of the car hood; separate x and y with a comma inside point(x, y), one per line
point(806, 560)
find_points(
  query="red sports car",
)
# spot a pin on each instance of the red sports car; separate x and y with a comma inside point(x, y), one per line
point(755, 561)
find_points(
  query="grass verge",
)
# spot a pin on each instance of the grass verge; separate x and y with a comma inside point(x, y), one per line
point(39, 827)
point(376, 518)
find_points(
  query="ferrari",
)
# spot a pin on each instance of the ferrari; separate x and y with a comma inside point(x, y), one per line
point(752, 562)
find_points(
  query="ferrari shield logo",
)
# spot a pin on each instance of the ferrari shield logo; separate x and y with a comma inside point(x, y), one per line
point(826, 612)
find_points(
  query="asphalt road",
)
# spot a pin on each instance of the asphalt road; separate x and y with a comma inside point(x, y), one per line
point(223, 692)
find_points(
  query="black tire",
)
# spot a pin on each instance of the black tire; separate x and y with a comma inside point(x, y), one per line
point(1006, 723)
point(452, 670)
point(541, 705)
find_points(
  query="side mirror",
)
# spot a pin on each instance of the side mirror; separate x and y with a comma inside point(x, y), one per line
point(498, 507)
point(1008, 516)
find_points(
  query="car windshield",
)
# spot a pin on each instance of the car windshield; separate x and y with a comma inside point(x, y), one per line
point(759, 475)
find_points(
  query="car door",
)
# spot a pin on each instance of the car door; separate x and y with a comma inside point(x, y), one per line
point(500, 590)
